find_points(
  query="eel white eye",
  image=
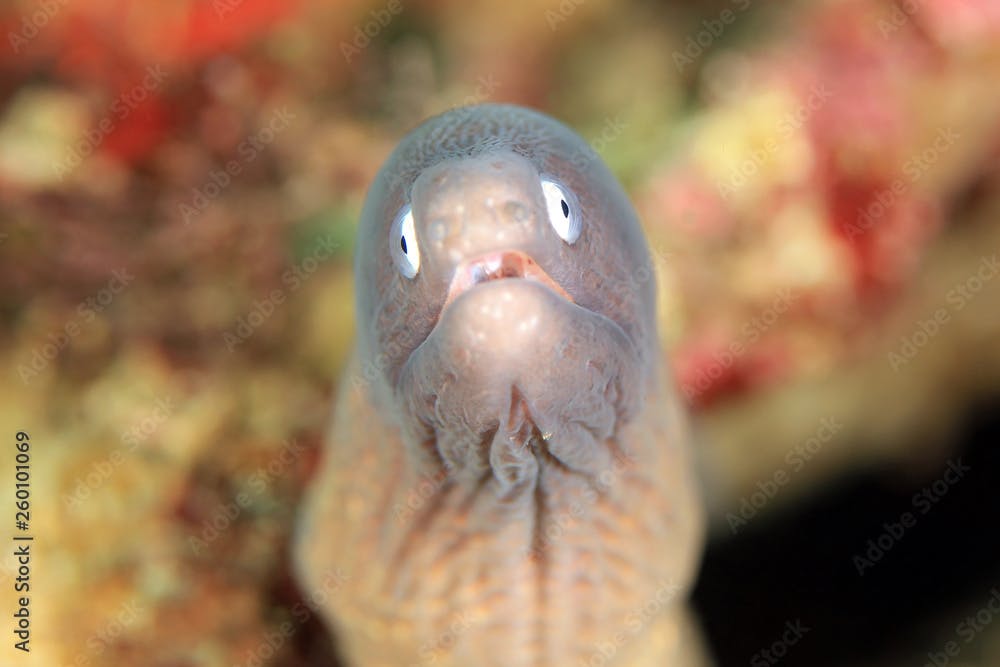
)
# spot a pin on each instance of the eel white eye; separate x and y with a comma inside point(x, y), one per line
point(564, 211)
point(403, 243)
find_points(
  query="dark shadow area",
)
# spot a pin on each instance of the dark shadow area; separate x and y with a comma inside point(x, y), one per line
point(800, 567)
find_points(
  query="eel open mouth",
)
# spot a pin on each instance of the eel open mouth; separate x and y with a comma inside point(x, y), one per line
point(498, 266)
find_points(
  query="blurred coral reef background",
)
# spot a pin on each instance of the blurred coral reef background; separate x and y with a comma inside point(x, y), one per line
point(180, 183)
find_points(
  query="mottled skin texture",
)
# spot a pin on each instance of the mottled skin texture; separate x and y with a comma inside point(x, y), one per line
point(507, 479)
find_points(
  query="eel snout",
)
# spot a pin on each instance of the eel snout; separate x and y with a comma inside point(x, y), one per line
point(467, 210)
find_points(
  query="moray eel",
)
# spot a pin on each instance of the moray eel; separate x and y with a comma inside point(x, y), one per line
point(507, 479)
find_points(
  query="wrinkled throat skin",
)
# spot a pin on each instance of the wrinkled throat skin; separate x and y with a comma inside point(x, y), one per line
point(507, 479)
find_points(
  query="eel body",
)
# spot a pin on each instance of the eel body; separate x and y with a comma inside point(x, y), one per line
point(507, 479)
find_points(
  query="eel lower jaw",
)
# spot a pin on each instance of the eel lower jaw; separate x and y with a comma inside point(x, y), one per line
point(507, 264)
